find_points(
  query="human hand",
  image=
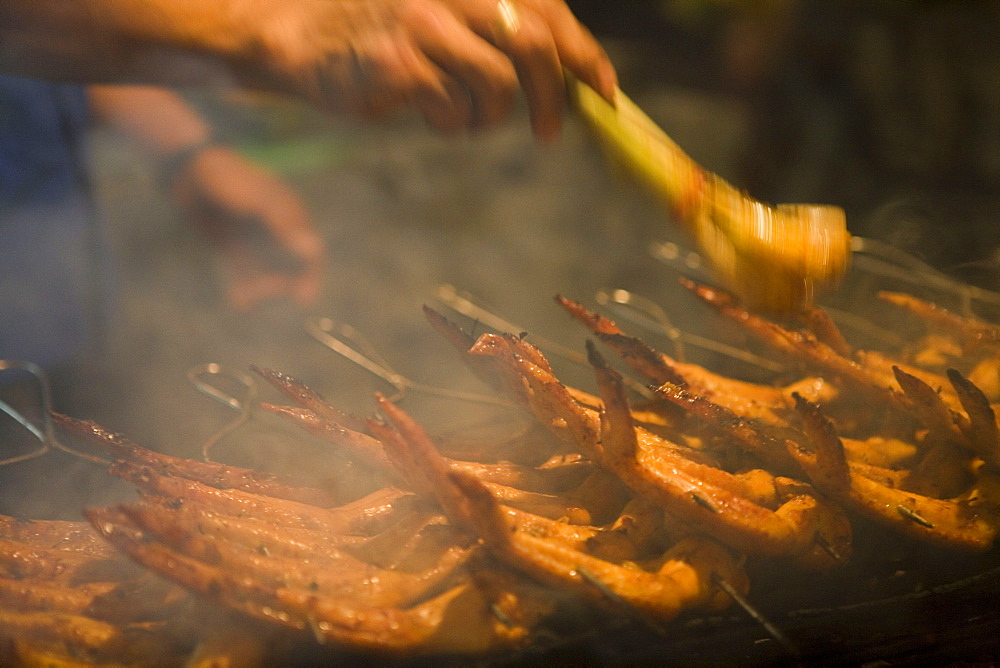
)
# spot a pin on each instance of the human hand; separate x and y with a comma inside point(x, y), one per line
point(459, 62)
point(267, 243)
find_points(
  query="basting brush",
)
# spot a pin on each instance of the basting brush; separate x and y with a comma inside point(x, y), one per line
point(776, 258)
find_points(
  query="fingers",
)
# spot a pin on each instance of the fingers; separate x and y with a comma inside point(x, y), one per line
point(395, 70)
point(448, 111)
point(579, 51)
point(475, 70)
point(294, 270)
point(251, 278)
point(267, 241)
point(525, 36)
point(459, 62)
point(539, 38)
point(293, 230)
point(245, 290)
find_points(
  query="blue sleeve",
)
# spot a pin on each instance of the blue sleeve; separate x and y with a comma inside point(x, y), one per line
point(50, 291)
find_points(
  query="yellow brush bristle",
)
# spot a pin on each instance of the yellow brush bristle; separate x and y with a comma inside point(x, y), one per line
point(775, 258)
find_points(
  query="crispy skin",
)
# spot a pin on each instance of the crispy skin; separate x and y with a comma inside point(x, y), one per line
point(542, 393)
point(659, 368)
point(747, 435)
point(335, 619)
point(210, 473)
point(429, 468)
point(259, 534)
point(309, 399)
point(462, 342)
point(25, 595)
point(476, 552)
point(963, 524)
point(64, 602)
point(68, 536)
point(361, 516)
point(323, 571)
point(952, 435)
point(806, 349)
point(434, 473)
point(356, 445)
point(546, 505)
point(731, 519)
point(679, 584)
point(366, 447)
point(140, 600)
point(83, 638)
point(982, 430)
point(417, 449)
point(930, 408)
point(770, 405)
point(883, 367)
point(554, 406)
point(972, 332)
point(20, 560)
point(470, 503)
point(752, 400)
point(614, 543)
point(819, 322)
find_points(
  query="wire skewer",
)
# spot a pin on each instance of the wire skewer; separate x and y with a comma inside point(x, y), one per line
point(198, 376)
point(44, 433)
point(755, 614)
point(623, 605)
point(466, 305)
point(655, 318)
point(333, 335)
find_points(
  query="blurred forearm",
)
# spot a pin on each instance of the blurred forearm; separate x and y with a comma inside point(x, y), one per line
point(118, 41)
point(458, 62)
point(157, 118)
